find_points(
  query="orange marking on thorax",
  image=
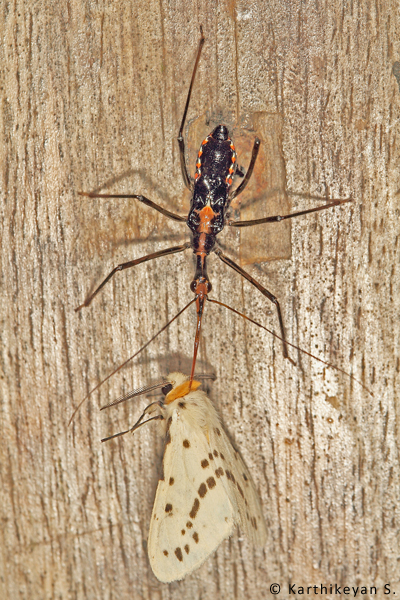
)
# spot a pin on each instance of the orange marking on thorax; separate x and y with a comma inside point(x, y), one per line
point(181, 390)
point(206, 214)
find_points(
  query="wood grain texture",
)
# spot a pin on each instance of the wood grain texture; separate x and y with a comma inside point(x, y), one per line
point(92, 95)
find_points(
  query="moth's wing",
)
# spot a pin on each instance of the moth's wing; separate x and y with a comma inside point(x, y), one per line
point(239, 486)
point(192, 512)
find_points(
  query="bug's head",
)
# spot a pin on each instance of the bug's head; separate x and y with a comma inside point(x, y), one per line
point(220, 133)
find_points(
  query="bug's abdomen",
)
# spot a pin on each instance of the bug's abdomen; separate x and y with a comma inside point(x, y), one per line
point(216, 159)
point(215, 168)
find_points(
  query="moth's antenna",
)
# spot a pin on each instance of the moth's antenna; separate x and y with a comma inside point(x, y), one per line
point(135, 393)
point(129, 359)
point(150, 388)
point(292, 345)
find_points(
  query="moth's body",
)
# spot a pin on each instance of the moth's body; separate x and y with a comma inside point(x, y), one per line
point(206, 489)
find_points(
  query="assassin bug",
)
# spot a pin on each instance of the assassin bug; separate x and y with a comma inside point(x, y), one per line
point(212, 194)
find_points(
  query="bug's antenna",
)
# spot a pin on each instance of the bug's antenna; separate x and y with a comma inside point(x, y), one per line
point(292, 345)
point(129, 359)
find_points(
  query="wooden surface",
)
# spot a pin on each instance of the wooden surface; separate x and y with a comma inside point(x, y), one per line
point(92, 97)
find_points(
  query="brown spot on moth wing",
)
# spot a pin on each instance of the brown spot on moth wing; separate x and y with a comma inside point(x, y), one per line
point(214, 517)
point(232, 472)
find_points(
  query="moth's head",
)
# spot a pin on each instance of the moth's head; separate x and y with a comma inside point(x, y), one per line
point(181, 386)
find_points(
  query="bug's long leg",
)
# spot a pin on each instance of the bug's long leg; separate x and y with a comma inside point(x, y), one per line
point(245, 181)
point(141, 199)
point(263, 290)
point(283, 217)
point(185, 174)
point(324, 362)
point(133, 263)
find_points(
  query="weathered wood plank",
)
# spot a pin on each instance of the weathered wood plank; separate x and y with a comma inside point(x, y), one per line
point(92, 96)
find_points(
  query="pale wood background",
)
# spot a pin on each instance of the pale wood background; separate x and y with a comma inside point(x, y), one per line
point(91, 96)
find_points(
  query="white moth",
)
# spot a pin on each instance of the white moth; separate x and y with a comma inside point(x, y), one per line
point(205, 491)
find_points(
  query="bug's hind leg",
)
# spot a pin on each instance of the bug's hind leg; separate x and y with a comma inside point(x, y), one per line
point(185, 174)
point(249, 173)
